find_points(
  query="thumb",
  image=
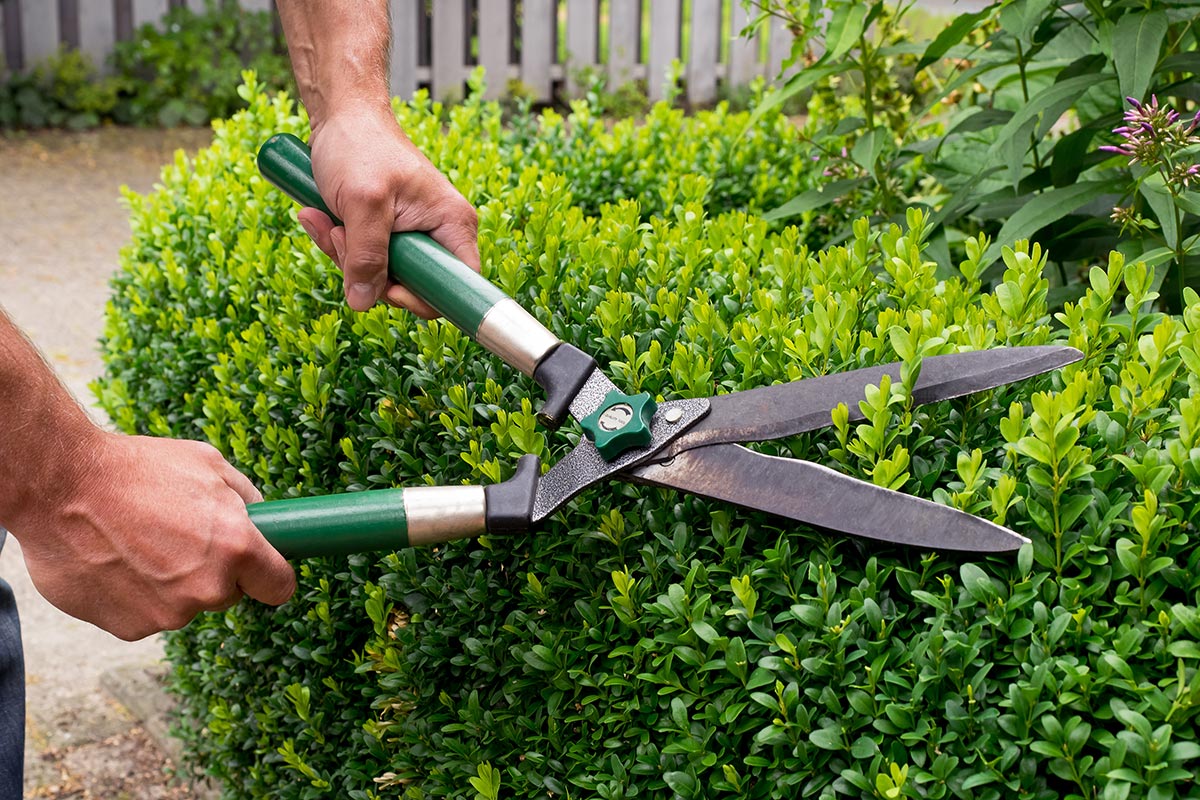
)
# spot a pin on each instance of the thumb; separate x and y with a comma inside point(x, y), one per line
point(364, 261)
point(267, 576)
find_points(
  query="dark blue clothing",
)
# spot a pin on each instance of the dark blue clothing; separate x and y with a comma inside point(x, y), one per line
point(12, 694)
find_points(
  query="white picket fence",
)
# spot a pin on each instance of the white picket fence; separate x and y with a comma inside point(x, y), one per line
point(543, 44)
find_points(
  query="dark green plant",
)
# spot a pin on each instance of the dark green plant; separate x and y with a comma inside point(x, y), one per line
point(1034, 91)
point(183, 70)
point(186, 69)
point(65, 91)
point(647, 644)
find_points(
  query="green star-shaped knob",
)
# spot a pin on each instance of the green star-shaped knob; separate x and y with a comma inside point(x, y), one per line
point(621, 422)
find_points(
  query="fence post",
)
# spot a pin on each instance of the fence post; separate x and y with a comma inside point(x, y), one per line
point(97, 31)
point(495, 42)
point(148, 11)
point(405, 27)
point(10, 36)
point(744, 64)
point(624, 41)
point(779, 46)
point(537, 46)
point(705, 51)
point(39, 30)
point(666, 24)
point(583, 40)
point(449, 50)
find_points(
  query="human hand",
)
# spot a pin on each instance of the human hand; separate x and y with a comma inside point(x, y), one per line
point(154, 532)
point(377, 181)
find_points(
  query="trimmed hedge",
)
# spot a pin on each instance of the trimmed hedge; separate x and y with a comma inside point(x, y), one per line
point(648, 644)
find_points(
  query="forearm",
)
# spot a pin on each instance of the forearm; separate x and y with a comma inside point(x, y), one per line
point(339, 54)
point(46, 436)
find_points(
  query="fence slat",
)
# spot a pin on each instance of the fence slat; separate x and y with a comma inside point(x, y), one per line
point(68, 21)
point(537, 46)
point(495, 43)
point(254, 5)
point(449, 52)
point(624, 50)
point(744, 65)
point(403, 74)
point(583, 39)
point(97, 31)
point(10, 38)
point(147, 11)
point(665, 20)
point(39, 30)
point(705, 50)
point(779, 46)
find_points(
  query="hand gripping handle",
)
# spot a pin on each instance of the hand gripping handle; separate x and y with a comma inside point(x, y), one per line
point(461, 295)
point(392, 519)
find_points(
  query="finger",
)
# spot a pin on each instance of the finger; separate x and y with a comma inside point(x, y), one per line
point(241, 484)
point(401, 297)
point(267, 576)
point(319, 227)
point(461, 239)
point(364, 260)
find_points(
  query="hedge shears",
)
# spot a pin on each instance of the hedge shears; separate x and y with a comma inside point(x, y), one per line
point(691, 445)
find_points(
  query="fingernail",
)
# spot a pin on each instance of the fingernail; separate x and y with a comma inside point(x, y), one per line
point(361, 296)
point(309, 230)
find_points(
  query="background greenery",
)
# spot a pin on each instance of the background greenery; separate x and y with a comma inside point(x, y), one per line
point(647, 644)
point(995, 123)
point(184, 70)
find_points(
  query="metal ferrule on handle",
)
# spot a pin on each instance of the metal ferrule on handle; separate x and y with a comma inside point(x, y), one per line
point(392, 519)
point(385, 519)
point(416, 261)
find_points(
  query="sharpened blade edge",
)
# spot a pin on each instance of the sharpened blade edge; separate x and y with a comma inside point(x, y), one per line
point(819, 496)
point(787, 409)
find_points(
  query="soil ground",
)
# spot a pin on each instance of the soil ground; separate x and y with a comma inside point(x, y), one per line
point(95, 708)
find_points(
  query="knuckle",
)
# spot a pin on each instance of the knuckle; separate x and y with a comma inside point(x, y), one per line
point(371, 193)
point(369, 259)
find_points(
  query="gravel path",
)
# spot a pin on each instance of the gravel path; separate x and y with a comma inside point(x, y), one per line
point(61, 227)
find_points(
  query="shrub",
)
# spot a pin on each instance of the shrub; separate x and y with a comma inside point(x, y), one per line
point(1025, 95)
point(65, 91)
point(183, 70)
point(647, 644)
point(186, 69)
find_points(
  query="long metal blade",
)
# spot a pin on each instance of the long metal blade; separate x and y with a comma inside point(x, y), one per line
point(819, 496)
point(786, 409)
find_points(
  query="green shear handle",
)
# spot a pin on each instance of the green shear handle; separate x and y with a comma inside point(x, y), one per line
point(391, 519)
point(461, 295)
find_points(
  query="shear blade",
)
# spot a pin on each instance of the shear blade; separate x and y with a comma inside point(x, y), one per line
point(786, 409)
point(819, 496)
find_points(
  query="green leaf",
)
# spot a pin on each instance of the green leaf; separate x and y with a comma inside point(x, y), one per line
point(827, 739)
point(814, 198)
point(1137, 43)
point(1163, 205)
point(1052, 100)
point(952, 34)
point(844, 29)
point(1044, 209)
point(794, 85)
point(682, 783)
point(976, 582)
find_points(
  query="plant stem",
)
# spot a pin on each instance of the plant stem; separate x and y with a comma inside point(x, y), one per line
point(1037, 162)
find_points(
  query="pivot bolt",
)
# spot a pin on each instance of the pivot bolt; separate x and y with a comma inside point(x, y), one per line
point(622, 422)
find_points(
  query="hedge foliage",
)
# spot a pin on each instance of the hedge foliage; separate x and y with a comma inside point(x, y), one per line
point(647, 644)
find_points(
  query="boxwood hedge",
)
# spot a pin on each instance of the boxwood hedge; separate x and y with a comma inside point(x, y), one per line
point(647, 644)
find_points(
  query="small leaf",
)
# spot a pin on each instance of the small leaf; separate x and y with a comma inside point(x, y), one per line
point(1137, 43)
